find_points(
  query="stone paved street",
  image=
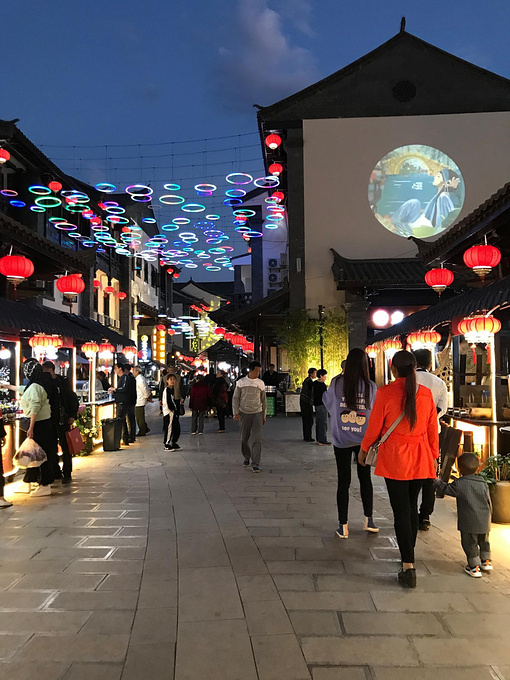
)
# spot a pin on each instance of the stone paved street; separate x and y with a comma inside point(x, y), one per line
point(185, 565)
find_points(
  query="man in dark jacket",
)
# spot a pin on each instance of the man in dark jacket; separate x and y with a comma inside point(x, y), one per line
point(271, 378)
point(64, 409)
point(306, 404)
point(125, 398)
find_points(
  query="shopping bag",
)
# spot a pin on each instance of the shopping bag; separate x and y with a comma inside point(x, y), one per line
point(29, 455)
point(75, 441)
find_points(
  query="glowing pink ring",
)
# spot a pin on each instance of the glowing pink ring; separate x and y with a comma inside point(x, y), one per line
point(148, 190)
point(267, 182)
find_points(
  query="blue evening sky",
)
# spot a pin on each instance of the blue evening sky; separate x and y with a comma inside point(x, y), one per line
point(122, 72)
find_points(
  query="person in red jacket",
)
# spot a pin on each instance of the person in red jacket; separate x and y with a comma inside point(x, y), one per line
point(199, 401)
point(407, 458)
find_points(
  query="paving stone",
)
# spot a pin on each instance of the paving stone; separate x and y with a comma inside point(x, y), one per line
point(208, 594)
point(267, 618)
point(359, 650)
point(489, 603)
point(298, 582)
point(60, 581)
point(105, 567)
point(155, 626)
point(315, 623)
point(334, 601)
point(390, 623)
point(245, 556)
point(279, 657)
point(478, 625)
point(197, 550)
point(415, 601)
point(227, 642)
point(436, 673)
point(156, 594)
point(257, 588)
point(462, 651)
point(109, 622)
point(152, 661)
point(24, 670)
point(340, 673)
point(277, 554)
point(32, 599)
point(97, 600)
point(301, 567)
point(93, 648)
point(94, 671)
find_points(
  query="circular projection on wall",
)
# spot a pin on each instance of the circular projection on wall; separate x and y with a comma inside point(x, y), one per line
point(416, 190)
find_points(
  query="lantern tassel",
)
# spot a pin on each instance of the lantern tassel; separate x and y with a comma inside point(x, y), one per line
point(473, 349)
point(488, 348)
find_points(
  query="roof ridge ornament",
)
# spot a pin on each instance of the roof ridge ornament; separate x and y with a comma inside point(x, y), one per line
point(403, 25)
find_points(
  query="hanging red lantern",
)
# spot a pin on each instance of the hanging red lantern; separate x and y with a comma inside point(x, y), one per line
point(4, 156)
point(482, 259)
point(121, 295)
point(106, 350)
point(372, 351)
point(479, 329)
point(71, 285)
point(278, 196)
point(16, 268)
point(219, 331)
point(95, 221)
point(55, 186)
point(423, 338)
point(109, 290)
point(90, 349)
point(273, 141)
point(130, 352)
point(439, 279)
point(237, 339)
point(171, 331)
point(96, 283)
point(229, 336)
point(43, 341)
point(161, 327)
point(275, 169)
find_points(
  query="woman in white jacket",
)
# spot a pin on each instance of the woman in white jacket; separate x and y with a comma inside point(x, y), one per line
point(143, 395)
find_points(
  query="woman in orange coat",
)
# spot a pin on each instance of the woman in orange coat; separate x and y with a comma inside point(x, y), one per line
point(408, 456)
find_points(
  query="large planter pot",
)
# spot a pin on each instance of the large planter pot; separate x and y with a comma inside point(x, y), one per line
point(500, 495)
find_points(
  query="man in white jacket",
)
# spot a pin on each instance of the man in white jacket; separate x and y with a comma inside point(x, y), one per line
point(249, 407)
point(143, 395)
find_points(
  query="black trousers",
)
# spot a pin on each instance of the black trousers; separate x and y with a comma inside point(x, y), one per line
point(343, 466)
point(2, 478)
point(67, 459)
point(404, 503)
point(221, 412)
point(45, 434)
point(126, 412)
point(307, 417)
point(428, 499)
point(171, 437)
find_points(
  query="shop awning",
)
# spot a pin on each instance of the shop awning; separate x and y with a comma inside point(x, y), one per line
point(488, 298)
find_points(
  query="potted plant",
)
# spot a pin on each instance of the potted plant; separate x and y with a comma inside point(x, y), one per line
point(497, 475)
point(88, 430)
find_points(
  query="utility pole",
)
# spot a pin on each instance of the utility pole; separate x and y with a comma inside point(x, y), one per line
point(321, 334)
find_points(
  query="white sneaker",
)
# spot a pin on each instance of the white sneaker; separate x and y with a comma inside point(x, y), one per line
point(4, 503)
point(23, 487)
point(42, 491)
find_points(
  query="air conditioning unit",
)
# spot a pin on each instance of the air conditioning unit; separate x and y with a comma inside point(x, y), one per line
point(273, 263)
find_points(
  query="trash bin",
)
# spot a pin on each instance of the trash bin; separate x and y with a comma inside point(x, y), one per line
point(112, 432)
point(271, 400)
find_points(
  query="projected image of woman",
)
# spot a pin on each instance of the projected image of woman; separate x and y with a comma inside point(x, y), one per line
point(420, 221)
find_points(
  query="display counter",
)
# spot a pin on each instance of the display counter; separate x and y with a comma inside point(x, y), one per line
point(484, 431)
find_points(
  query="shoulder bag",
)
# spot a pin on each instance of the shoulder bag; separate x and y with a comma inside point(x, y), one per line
point(373, 451)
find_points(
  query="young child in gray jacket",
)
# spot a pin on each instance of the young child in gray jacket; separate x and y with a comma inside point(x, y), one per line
point(474, 510)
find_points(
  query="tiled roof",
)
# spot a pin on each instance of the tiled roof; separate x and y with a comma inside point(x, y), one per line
point(391, 272)
point(475, 301)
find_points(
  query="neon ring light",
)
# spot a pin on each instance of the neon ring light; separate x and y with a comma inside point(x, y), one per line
point(212, 217)
point(106, 188)
point(267, 182)
point(171, 199)
point(48, 201)
point(149, 220)
point(39, 190)
point(170, 227)
point(66, 226)
point(231, 202)
point(217, 251)
point(141, 198)
point(37, 208)
point(212, 268)
point(244, 211)
point(232, 178)
point(204, 188)
point(9, 192)
point(17, 204)
point(139, 190)
point(117, 219)
point(115, 210)
point(254, 234)
point(172, 187)
point(235, 193)
point(193, 207)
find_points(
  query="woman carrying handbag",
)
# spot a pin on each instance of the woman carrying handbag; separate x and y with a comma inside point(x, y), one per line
point(406, 455)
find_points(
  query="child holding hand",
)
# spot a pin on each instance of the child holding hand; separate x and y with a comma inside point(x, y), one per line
point(474, 510)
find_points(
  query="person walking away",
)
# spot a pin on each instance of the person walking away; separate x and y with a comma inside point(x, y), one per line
point(271, 378)
point(64, 411)
point(249, 407)
point(440, 396)
point(321, 412)
point(306, 404)
point(349, 401)
point(161, 388)
point(171, 411)
point(474, 511)
point(220, 399)
point(143, 396)
point(408, 455)
point(3, 435)
point(199, 401)
point(35, 403)
point(125, 398)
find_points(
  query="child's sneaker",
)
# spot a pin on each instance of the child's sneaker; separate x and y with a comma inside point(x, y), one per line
point(473, 571)
point(342, 531)
point(486, 565)
point(255, 468)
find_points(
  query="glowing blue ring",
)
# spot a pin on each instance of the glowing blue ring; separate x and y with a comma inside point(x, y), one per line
point(191, 265)
point(106, 188)
point(37, 208)
point(149, 220)
point(213, 233)
point(117, 219)
point(242, 230)
point(222, 260)
point(270, 225)
point(267, 182)
point(189, 250)
point(39, 190)
point(181, 220)
point(231, 202)
point(17, 204)
point(74, 208)
point(204, 256)
point(88, 244)
point(172, 187)
point(235, 193)
point(147, 190)
point(247, 212)
point(239, 174)
point(216, 251)
point(179, 201)
point(76, 235)
point(254, 234)
point(115, 210)
point(274, 218)
point(212, 217)
point(193, 207)
point(212, 268)
point(170, 227)
point(206, 187)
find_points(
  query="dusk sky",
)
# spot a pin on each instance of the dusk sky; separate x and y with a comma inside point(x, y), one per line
point(81, 74)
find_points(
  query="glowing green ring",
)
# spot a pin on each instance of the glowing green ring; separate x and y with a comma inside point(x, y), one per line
point(172, 187)
point(39, 190)
point(244, 211)
point(175, 199)
point(193, 208)
point(51, 201)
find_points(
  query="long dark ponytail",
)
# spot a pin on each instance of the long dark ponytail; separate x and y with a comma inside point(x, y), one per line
point(355, 375)
point(405, 365)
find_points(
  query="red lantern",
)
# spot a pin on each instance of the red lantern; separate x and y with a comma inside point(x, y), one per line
point(90, 349)
point(372, 351)
point(106, 350)
point(95, 221)
point(482, 259)
point(161, 327)
point(16, 268)
point(4, 156)
point(392, 345)
point(237, 339)
point(278, 196)
point(439, 279)
point(171, 331)
point(273, 141)
point(71, 285)
point(130, 352)
point(229, 336)
point(275, 169)
point(43, 341)
point(219, 331)
point(55, 186)
point(96, 283)
point(121, 295)
point(87, 214)
point(109, 290)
